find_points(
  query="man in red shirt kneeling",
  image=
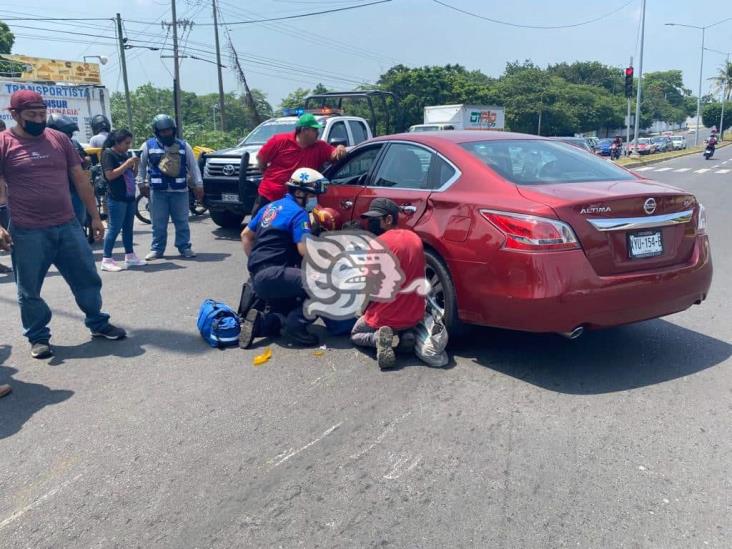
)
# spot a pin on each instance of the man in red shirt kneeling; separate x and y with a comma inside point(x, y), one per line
point(387, 326)
point(286, 152)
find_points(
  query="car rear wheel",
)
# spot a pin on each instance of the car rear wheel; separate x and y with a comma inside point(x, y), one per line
point(227, 220)
point(443, 293)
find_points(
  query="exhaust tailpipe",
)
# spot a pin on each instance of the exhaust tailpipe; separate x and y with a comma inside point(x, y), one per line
point(574, 334)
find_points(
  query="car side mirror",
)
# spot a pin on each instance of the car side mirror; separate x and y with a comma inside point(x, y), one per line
point(337, 141)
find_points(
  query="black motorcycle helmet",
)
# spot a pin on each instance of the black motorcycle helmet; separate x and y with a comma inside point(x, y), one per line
point(62, 123)
point(100, 123)
point(163, 122)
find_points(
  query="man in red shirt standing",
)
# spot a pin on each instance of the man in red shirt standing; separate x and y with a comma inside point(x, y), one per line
point(286, 152)
point(35, 166)
point(377, 327)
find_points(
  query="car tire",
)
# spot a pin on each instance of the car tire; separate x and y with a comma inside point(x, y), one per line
point(227, 220)
point(443, 292)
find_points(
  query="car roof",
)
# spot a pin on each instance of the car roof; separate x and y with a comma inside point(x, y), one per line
point(456, 136)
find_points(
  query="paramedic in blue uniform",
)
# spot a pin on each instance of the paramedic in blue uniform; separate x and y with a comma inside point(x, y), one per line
point(274, 242)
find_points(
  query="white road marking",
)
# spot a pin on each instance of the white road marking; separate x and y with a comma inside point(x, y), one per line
point(379, 439)
point(663, 169)
point(723, 171)
point(37, 502)
point(682, 170)
point(398, 468)
point(642, 169)
point(308, 445)
point(703, 170)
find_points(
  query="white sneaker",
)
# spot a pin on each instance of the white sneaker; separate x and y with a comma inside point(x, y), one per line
point(153, 255)
point(109, 264)
point(131, 260)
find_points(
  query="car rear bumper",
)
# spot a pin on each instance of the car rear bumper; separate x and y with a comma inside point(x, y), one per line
point(556, 292)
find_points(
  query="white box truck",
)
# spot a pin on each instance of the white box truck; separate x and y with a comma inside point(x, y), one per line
point(77, 102)
point(462, 117)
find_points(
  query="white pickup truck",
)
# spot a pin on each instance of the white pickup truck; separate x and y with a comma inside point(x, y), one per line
point(230, 194)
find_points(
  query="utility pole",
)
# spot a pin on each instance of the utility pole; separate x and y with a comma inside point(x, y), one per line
point(698, 99)
point(724, 98)
point(176, 67)
point(250, 102)
point(123, 62)
point(218, 66)
point(627, 125)
point(640, 80)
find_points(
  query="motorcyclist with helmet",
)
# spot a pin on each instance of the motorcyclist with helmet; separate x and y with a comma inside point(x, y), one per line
point(274, 242)
point(166, 162)
point(101, 127)
point(67, 125)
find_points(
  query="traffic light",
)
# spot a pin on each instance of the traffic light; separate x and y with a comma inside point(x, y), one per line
point(629, 82)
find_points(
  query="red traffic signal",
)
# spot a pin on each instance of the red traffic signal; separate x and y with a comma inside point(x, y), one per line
point(629, 71)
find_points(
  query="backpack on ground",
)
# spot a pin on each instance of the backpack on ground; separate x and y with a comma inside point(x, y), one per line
point(219, 324)
point(432, 338)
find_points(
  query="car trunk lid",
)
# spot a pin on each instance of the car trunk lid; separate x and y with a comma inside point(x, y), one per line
point(624, 226)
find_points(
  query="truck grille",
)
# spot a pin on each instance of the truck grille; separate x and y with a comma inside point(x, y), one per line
point(230, 170)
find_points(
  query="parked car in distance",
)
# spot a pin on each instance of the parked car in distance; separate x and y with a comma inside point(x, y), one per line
point(525, 233)
point(603, 147)
point(645, 146)
point(593, 141)
point(679, 142)
point(663, 143)
point(580, 142)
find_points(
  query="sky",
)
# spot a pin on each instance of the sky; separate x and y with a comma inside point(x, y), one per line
point(344, 49)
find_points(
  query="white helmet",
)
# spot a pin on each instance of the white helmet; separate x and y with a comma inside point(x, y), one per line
point(308, 180)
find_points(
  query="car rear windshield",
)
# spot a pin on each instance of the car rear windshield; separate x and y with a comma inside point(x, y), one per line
point(537, 162)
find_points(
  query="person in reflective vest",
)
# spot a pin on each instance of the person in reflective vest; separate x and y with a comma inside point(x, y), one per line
point(166, 165)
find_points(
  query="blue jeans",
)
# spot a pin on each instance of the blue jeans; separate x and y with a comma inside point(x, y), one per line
point(121, 218)
point(34, 251)
point(173, 205)
point(79, 208)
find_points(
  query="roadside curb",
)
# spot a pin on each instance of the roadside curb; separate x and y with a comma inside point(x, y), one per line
point(657, 160)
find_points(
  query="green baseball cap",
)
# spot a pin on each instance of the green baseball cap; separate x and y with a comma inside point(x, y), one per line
point(307, 120)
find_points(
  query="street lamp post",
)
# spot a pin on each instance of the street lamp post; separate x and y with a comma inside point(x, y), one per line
point(103, 59)
point(701, 66)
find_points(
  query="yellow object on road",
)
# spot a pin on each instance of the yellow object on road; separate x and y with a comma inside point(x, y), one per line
point(264, 357)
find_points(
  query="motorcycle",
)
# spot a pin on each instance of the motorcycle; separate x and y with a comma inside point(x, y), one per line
point(709, 151)
point(614, 152)
point(142, 207)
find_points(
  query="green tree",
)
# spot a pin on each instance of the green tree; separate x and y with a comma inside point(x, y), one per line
point(294, 100)
point(591, 73)
point(7, 39)
point(722, 82)
point(712, 113)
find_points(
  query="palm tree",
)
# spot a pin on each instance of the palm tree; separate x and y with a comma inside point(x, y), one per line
point(723, 81)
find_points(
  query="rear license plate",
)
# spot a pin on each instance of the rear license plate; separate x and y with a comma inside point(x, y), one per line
point(646, 244)
point(225, 197)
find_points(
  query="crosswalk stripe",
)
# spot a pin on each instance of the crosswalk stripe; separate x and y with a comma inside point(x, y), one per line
point(644, 168)
point(723, 171)
point(703, 170)
point(682, 170)
point(663, 169)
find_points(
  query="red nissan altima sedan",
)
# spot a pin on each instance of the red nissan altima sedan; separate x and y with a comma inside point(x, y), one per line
point(532, 234)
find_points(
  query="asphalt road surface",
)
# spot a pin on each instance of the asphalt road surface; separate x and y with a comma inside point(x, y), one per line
point(622, 438)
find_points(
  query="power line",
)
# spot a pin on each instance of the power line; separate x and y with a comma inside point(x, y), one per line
point(544, 27)
point(285, 17)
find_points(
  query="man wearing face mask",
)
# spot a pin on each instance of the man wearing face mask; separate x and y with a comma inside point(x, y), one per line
point(389, 326)
point(35, 166)
point(165, 164)
point(286, 152)
point(274, 242)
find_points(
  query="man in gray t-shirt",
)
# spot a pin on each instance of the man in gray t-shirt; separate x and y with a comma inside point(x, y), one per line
point(101, 127)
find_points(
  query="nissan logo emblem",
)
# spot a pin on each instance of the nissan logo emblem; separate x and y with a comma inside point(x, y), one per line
point(229, 170)
point(649, 206)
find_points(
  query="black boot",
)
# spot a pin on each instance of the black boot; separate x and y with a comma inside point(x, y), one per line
point(301, 337)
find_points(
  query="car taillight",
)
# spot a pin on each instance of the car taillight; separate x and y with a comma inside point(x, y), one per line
point(701, 224)
point(531, 233)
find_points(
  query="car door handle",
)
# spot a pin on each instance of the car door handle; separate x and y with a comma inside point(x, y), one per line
point(408, 209)
point(347, 204)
